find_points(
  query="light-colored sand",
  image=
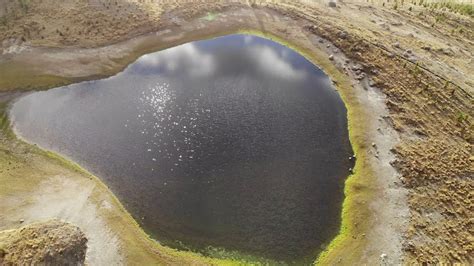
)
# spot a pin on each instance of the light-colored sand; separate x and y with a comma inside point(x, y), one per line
point(70, 200)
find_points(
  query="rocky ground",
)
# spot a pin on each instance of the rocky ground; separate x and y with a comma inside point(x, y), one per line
point(417, 55)
point(47, 243)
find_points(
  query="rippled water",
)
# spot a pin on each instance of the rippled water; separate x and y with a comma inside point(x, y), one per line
point(235, 142)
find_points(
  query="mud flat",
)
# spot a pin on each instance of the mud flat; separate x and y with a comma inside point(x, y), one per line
point(403, 110)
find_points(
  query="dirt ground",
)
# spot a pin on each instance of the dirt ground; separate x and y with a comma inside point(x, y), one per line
point(51, 243)
point(403, 68)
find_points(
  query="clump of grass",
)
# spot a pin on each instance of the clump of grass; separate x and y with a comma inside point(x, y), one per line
point(416, 70)
point(440, 18)
point(446, 84)
point(24, 4)
point(210, 16)
point(5, 128)
point(462, 117)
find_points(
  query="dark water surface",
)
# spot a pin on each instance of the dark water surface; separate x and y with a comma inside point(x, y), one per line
point(236, 142)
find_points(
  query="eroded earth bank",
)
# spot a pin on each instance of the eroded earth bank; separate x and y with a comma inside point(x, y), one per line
point(403, 69)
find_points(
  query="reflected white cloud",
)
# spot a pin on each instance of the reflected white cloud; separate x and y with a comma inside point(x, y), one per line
point(248, 39)
point(189, 60)
point(270, 62)
point(183, 59)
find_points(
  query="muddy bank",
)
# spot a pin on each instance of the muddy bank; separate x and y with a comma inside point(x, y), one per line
point(412, 110)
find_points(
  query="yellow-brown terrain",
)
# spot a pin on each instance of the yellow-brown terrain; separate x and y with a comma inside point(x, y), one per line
point(404, 69)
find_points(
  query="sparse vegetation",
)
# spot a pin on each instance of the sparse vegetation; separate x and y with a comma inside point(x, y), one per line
point(462, 117)
point(24, 5)
point(461, 8)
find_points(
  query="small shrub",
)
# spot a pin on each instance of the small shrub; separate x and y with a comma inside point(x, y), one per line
point(446, 84)
point(24, 4)
point(462, 117)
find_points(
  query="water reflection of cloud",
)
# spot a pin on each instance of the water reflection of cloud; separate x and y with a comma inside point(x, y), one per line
point(198, 60)
point(183, 59)
point(270, 62)
point(248, 39)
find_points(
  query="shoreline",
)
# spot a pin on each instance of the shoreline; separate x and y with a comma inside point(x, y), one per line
point(324, 64)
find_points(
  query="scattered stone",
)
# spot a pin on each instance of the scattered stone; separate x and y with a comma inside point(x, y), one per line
point(320, 40)
point(361, 76)
point(332, 4)
point(373, 144)
point(331, 57)
point(356, 67)
point(383, 256)
point(342, 34)
point(327, 46)
point(396, 45)
point(22, 221)
point(384, 26)
point(446, 51)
